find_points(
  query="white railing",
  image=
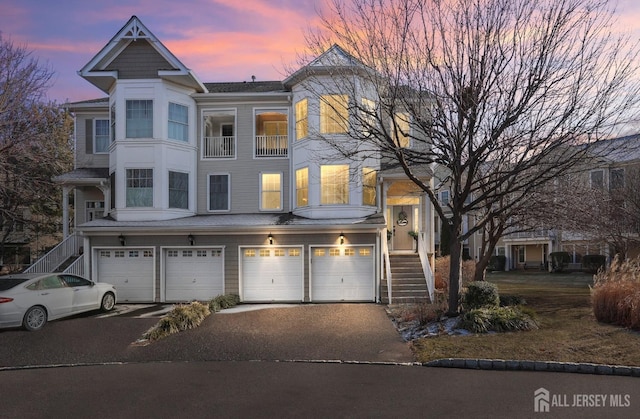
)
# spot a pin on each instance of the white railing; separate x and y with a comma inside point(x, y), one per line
point(272, 145)
point(218, 147)
point(534, 234)
point(77, 267)
point(63, 251)
point(426, 265)
point(387, 263)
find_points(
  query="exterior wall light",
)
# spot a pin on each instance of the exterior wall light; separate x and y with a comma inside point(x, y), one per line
point(341, 237)
point(123, 241)
point(270, 238)
point(192, 240)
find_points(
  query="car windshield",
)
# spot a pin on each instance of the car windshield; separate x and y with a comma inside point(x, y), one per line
point(8, 283)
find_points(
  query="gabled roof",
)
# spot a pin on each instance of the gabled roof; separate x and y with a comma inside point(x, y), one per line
point(98, 73)
point(332, 60)
point(618, 150)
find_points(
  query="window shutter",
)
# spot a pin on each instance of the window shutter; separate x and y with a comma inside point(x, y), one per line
point(89, 136)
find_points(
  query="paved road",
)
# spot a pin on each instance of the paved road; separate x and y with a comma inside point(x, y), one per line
point(235, 365)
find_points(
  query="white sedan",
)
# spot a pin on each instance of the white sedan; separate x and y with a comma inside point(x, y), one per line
point(29, 300)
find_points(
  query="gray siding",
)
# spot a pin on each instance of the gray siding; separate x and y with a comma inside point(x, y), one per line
point(85, 157)
point(231, 245)
point(245, 169)
point(82, 195)
point(139, 60)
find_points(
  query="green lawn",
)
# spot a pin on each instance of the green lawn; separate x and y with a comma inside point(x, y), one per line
point(568, 330)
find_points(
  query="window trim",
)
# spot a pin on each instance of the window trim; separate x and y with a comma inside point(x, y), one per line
point(369, 187)
point(228, 175)
point(280, 190)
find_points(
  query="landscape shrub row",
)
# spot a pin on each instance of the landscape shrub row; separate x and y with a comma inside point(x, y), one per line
point(189, 316)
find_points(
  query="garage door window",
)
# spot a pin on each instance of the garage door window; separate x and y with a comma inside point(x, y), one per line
point(319, 252)
point(118, 253)
point(294, 252)
point(364, 251)
point(250, 253)
point(334, 252)
point(349, 252)
point(265, 252)
point(278, 252)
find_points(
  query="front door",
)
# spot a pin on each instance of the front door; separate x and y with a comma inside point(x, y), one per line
point(402, 225)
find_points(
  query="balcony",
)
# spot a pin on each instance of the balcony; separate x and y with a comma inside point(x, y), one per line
point(542, 233)
point(219, 147)
point(272, 145)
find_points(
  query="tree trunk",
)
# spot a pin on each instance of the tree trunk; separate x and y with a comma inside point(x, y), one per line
point(455, 277)
point(481, 267)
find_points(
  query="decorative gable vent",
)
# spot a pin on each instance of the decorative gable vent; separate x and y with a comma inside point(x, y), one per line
point(135, 32)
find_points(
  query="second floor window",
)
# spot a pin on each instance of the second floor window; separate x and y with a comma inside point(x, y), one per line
point(178, 122)
point(139, 118)
point(178, 190)
point(101, 137)
point(219, 192)
point(400, 129)
point(334, 114)
point(616, 179)
point(302, 120)
point(302, 187)
point(271, 191)
point(139, 187)
point(444, 197)
point(597, 179)
point(368, 187)
point(334, 184)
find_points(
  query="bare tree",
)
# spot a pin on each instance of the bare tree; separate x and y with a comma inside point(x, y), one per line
point(498, 92)
point(34, 145)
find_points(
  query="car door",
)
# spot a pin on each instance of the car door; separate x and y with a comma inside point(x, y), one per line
point(85, 294)
point(53, 294)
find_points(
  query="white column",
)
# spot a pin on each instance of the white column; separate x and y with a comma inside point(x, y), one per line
point(65, 211)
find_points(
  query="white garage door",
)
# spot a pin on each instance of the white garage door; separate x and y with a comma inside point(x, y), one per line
point(342, 274)
point(130, 270)
point(193, 274)
point(272, 274)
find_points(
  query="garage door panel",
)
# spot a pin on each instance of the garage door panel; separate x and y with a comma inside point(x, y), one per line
point(130, 271)
point(343, 274)
point(193, 274)
point(272, 274)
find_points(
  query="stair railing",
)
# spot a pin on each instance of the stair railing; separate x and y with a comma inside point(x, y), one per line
point(56, 256)
point(387, 263)
point(426, 266)
point(77, 267)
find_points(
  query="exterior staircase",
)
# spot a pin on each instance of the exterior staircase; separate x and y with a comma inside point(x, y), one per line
point(408, 282)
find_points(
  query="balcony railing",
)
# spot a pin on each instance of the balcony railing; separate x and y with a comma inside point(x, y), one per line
point(218, 147)
point(535, 234)
point(272, 145)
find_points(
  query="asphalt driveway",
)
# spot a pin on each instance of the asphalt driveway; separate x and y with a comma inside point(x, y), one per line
point(348, 332)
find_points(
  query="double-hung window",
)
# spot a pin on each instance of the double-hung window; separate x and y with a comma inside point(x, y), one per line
point(270, 191)
point(334, 114)
point(101, 136)
point(334, 184)
point(302, 187)
point(616, 179)
point(219, 192)
point(178, 122)
point(368, 186)
point(597, 179)
point(178, 190)
point(139, 187)
point(400, 129)
point(302, 119)
point(139, 118)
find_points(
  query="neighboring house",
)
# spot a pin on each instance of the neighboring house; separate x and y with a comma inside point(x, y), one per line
point(185, 190)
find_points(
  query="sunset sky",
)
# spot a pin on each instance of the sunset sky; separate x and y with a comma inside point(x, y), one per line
point(220, 40)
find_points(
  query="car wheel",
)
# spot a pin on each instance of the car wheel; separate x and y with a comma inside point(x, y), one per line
point(108, 301)
point(35, 318)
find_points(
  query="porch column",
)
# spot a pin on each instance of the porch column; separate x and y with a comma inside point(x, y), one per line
point(106, 194)
point(86, 251)
point(507, 265)
point(65, 211)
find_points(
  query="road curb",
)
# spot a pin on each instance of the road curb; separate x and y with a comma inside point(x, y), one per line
point(549, 366)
